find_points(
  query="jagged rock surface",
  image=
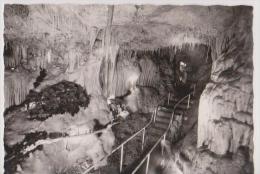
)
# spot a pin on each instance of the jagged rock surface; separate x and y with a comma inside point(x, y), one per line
point(226, 105)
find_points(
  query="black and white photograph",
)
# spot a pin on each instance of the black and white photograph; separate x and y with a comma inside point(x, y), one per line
point(128, 88)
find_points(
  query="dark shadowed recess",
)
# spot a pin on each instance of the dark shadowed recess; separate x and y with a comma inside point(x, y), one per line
point(15, 155)
point(40, 78)
point(59, 98)
point(62, 97)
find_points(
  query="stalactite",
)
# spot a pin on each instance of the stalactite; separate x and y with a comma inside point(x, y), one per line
point(110, 49)
point(16, 56)
point(93, 36)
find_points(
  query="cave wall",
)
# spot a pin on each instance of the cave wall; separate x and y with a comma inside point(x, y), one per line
point(225, 120)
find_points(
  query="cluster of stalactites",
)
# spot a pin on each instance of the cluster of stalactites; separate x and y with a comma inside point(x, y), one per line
point(149, 75)
point(110, 50)
point(16, 86)
point(55, 20)
point(20, 54)
point(14, 54)
point(174, 48)
point(127, 72)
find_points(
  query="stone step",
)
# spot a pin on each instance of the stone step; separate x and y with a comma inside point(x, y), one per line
point(155, 132)
point(161, 125)
point(182, 106)
point(164, 116)
point(165, 109)
point(171, 106)
point(162, 120)
point(175, 100)
point(159, 128)
point(151, 139)
point(178, 112)
point(186, 101)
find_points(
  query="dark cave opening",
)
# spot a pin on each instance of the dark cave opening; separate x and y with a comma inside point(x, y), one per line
point(172, 65)
point(59, 98)
point(180, 68)
point(168, 69)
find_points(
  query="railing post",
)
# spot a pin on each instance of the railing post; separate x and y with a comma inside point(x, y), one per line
point(155, 114)
point(194, 88)
point(169, 96)
point(154, 117)
point(147, 164)
point(164, 138)
point(188, 105)
point(121, 158)
point(143, 138)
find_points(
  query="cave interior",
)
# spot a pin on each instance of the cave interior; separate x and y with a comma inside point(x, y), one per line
point(81, 79)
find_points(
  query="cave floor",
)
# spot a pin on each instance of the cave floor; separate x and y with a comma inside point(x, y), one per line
point(132, 150)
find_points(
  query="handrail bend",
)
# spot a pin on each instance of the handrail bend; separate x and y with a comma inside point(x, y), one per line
point(143, 130)
point(121, 146)
point(163, 137)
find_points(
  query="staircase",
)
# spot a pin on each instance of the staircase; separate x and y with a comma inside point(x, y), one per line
point(157, 130)
point(164, 120)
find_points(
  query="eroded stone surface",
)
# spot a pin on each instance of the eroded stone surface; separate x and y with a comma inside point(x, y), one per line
point(225, 112)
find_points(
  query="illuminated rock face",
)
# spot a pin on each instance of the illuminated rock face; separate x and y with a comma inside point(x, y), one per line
point(225, 119)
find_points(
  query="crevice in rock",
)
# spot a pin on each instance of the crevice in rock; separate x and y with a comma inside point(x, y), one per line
point(40, 78)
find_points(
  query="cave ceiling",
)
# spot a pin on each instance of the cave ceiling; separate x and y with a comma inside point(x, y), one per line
point(137, 27)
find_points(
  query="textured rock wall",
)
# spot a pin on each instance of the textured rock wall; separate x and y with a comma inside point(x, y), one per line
point(187, 159)
point(125, 73)
point(16, 87)
point(73, 143)
point(150, 73)
point(225, 119)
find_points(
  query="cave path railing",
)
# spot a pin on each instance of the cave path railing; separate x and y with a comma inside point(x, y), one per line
point(164, 135)
point(193, 93)
point(143, 132)
point(122, 145)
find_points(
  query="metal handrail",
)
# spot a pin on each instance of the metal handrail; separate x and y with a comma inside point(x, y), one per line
point(147, 156)
point(121, 146)
point(143, 130)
